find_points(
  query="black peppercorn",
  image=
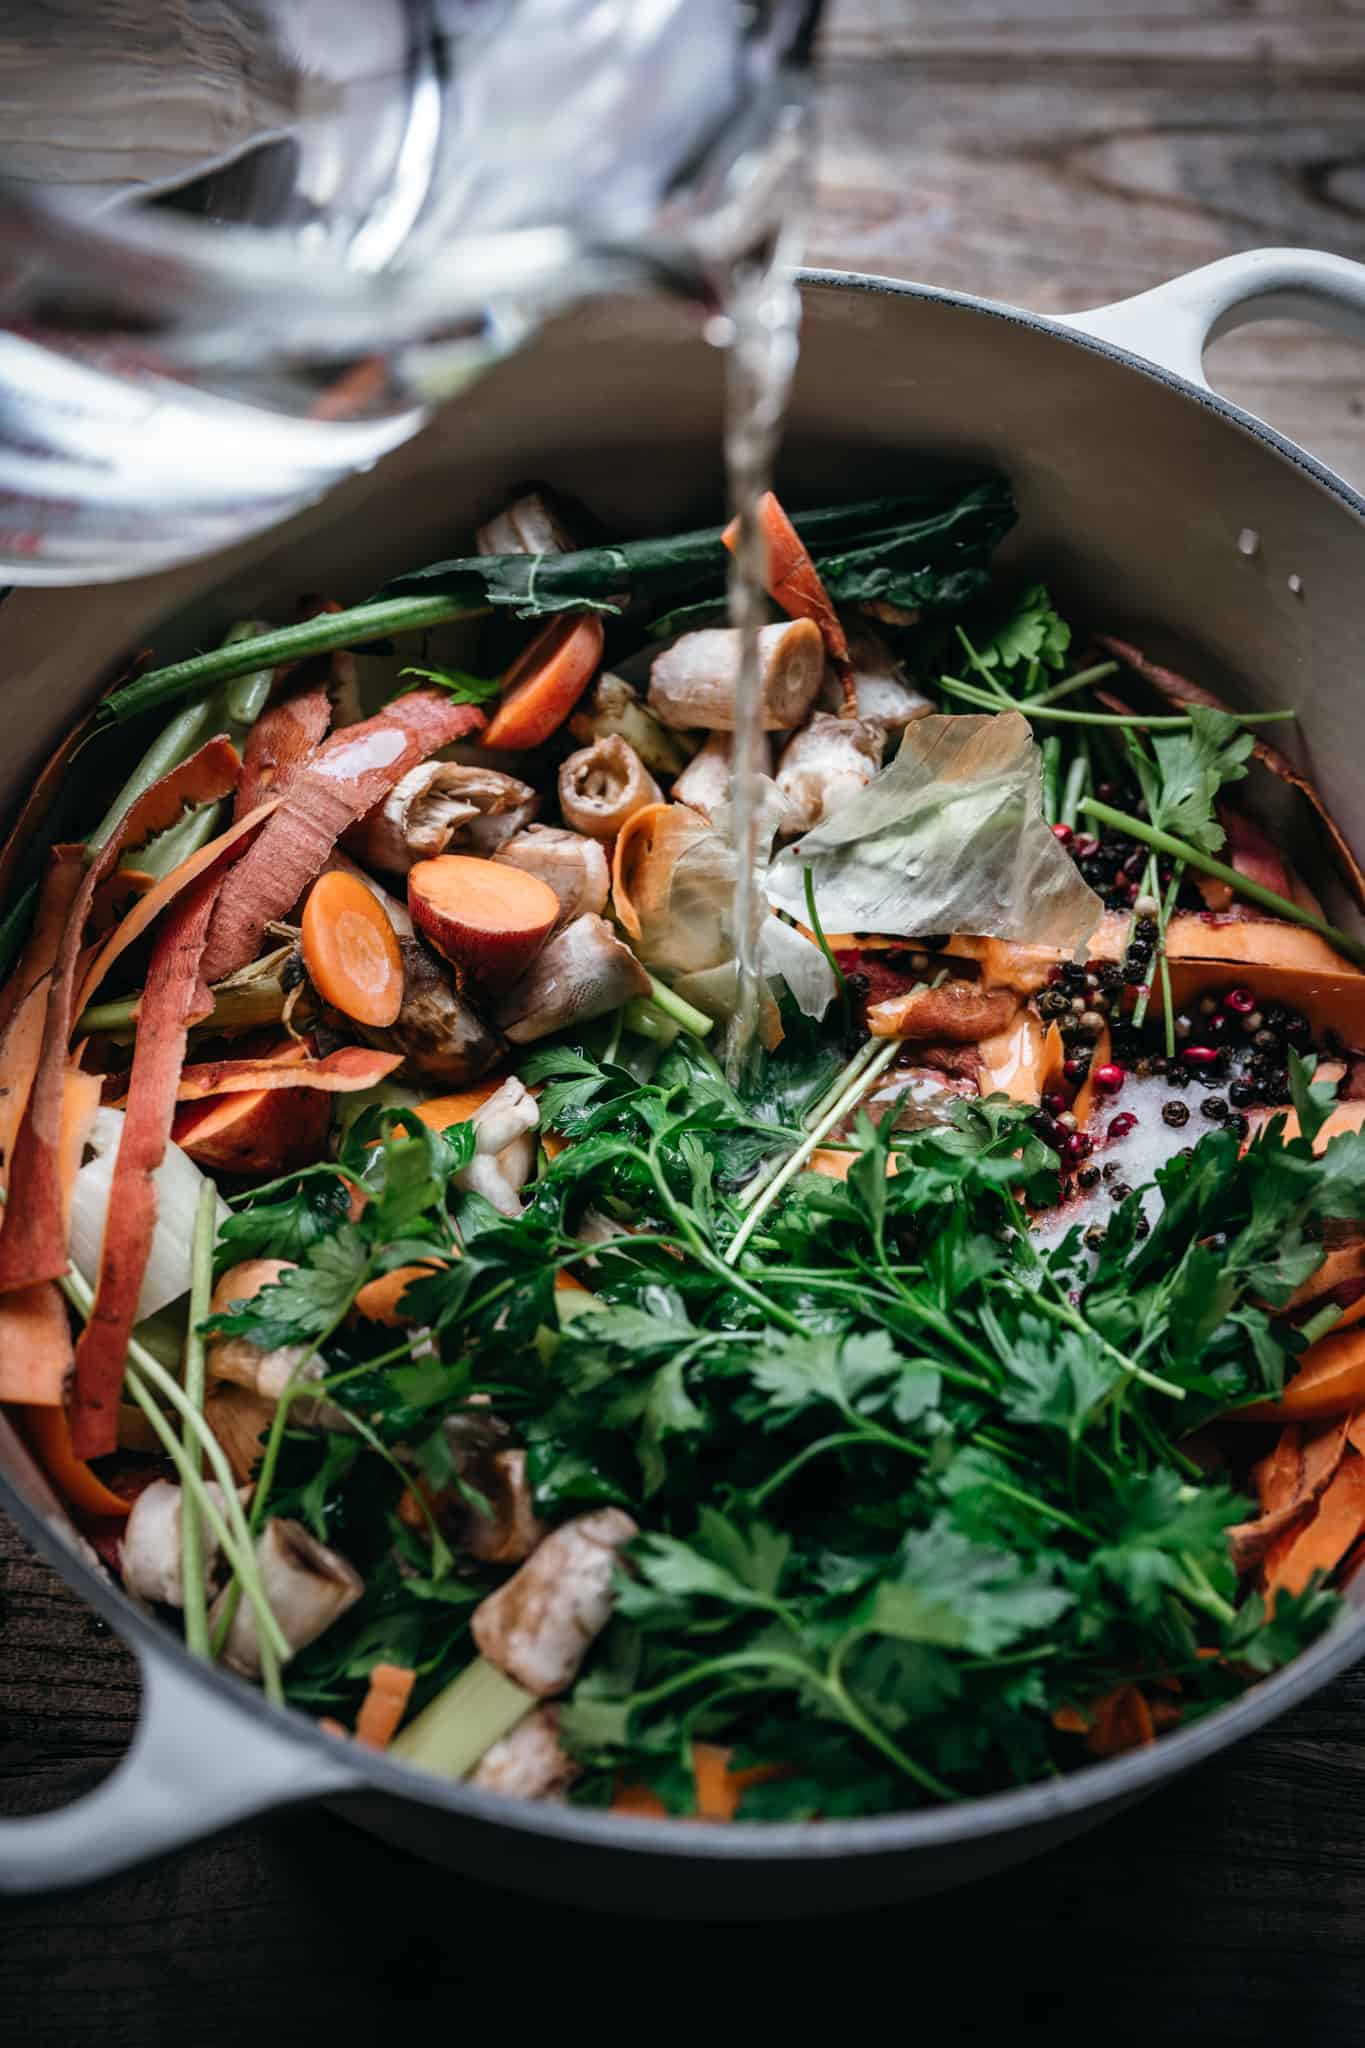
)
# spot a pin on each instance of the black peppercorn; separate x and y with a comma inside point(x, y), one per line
point(1142, 1228)
point(1276, 1016)
point(1111, 1168)
point(1242, 1094)
point(1134, 972)
point(1214, 1108)
point(1176, 1114)
point(1088, 1177)
point(1094, 1237)
point(1237, 1124)
point(1146, 928)
point(1119, 1191)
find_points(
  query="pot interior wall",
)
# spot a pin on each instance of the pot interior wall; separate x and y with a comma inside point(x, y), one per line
point(1133, 501)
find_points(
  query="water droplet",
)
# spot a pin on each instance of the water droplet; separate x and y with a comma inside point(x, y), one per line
point(1296, 585)
point(1248, 541)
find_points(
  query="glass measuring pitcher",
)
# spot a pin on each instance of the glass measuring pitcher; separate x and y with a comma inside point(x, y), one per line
point(246, 244)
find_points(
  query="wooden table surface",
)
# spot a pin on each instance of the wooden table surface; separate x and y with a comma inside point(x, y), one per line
point(1058, 155)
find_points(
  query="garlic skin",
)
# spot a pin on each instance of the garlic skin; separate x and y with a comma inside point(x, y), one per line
point(574, 866)
point(603, 785)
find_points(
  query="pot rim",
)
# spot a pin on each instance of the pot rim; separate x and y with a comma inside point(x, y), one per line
point(1098, 1786)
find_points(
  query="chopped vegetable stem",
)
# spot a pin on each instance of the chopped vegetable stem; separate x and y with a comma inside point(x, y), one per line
point(1255, 892)
point(191, 1526)
point(456, 1730)
point(823, 943)
point(692, 1020)
point(1158, 722)
point(841, 1108)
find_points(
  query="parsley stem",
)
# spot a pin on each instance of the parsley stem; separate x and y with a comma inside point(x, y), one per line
point(844, 1104)
point(1158, 722)
point(1077, 778)
point(1062, 1312)
point(1198, 1591)
point(694, 1021)
point(1255, 892)
point(1080, 681)
point(192, 1575)
point(841, 1440)
point(773, 1166)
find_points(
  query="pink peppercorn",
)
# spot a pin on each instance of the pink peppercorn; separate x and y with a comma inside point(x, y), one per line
point(1201, 1055)
point(1056, 1102)
point(1122, 1124)
point(1064, 833)
point(1239, 1000)
point(1085, 845)
point(1078, 1146)
point(1110, 1077)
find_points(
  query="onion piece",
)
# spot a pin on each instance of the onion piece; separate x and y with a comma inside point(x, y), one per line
point(604, 785)
point(883, 691)
point(575, 867)
point(177, 1181)
point(530, 525)
point(582, 973)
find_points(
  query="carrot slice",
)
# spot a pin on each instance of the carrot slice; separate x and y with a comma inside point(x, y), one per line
point(48, 1436)
point(484, 915)
point(32, 1234)
point(346, 777)
point(351, 950)
point(35, 1345)
point(384, 1705)
point(175, 997)
point(794, 582)
point(547, 679)
point(719, 1786)
point(1334, 1529)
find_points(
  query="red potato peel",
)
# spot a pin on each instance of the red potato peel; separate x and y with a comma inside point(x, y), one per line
point(482, 915)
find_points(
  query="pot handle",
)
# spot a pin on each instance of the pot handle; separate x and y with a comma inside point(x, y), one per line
point(1173, 324)
point(197, 1763)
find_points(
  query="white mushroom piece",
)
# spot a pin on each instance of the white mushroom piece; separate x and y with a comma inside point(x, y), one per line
point(530, 1763)
point(505, 1148)
point(704, 784)
point(530, 525)
point(693, 682)
point(539, 1626)
point(574, 867)
point(307, 1587)
point(883, 692)
point(513, 1530)
point(150, 1554)
point(603, 785)
point(441, 807)
point(823, 765)
point(613, 707)
point(581, 973)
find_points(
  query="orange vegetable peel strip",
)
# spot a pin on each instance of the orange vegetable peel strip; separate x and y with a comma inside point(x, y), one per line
point(22, 1043)
point(351, 1067)
point(284, 737)
point(175, 998)
point(1337, 1525)
point(33, 1236)
point(35, 1345)
point(46, 1432)
point(346, 777)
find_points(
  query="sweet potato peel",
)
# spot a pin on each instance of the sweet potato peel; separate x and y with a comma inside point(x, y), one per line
point(340, 782)
point(1178, 689)
point(284, 737)
point(32, 1235)
point(175, 997)
point(35, 1345)
point(1289, 1483)
point(353, 1066)
point(22, 1042)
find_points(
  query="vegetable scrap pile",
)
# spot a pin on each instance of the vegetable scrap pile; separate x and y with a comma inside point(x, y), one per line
point(408, 1306)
